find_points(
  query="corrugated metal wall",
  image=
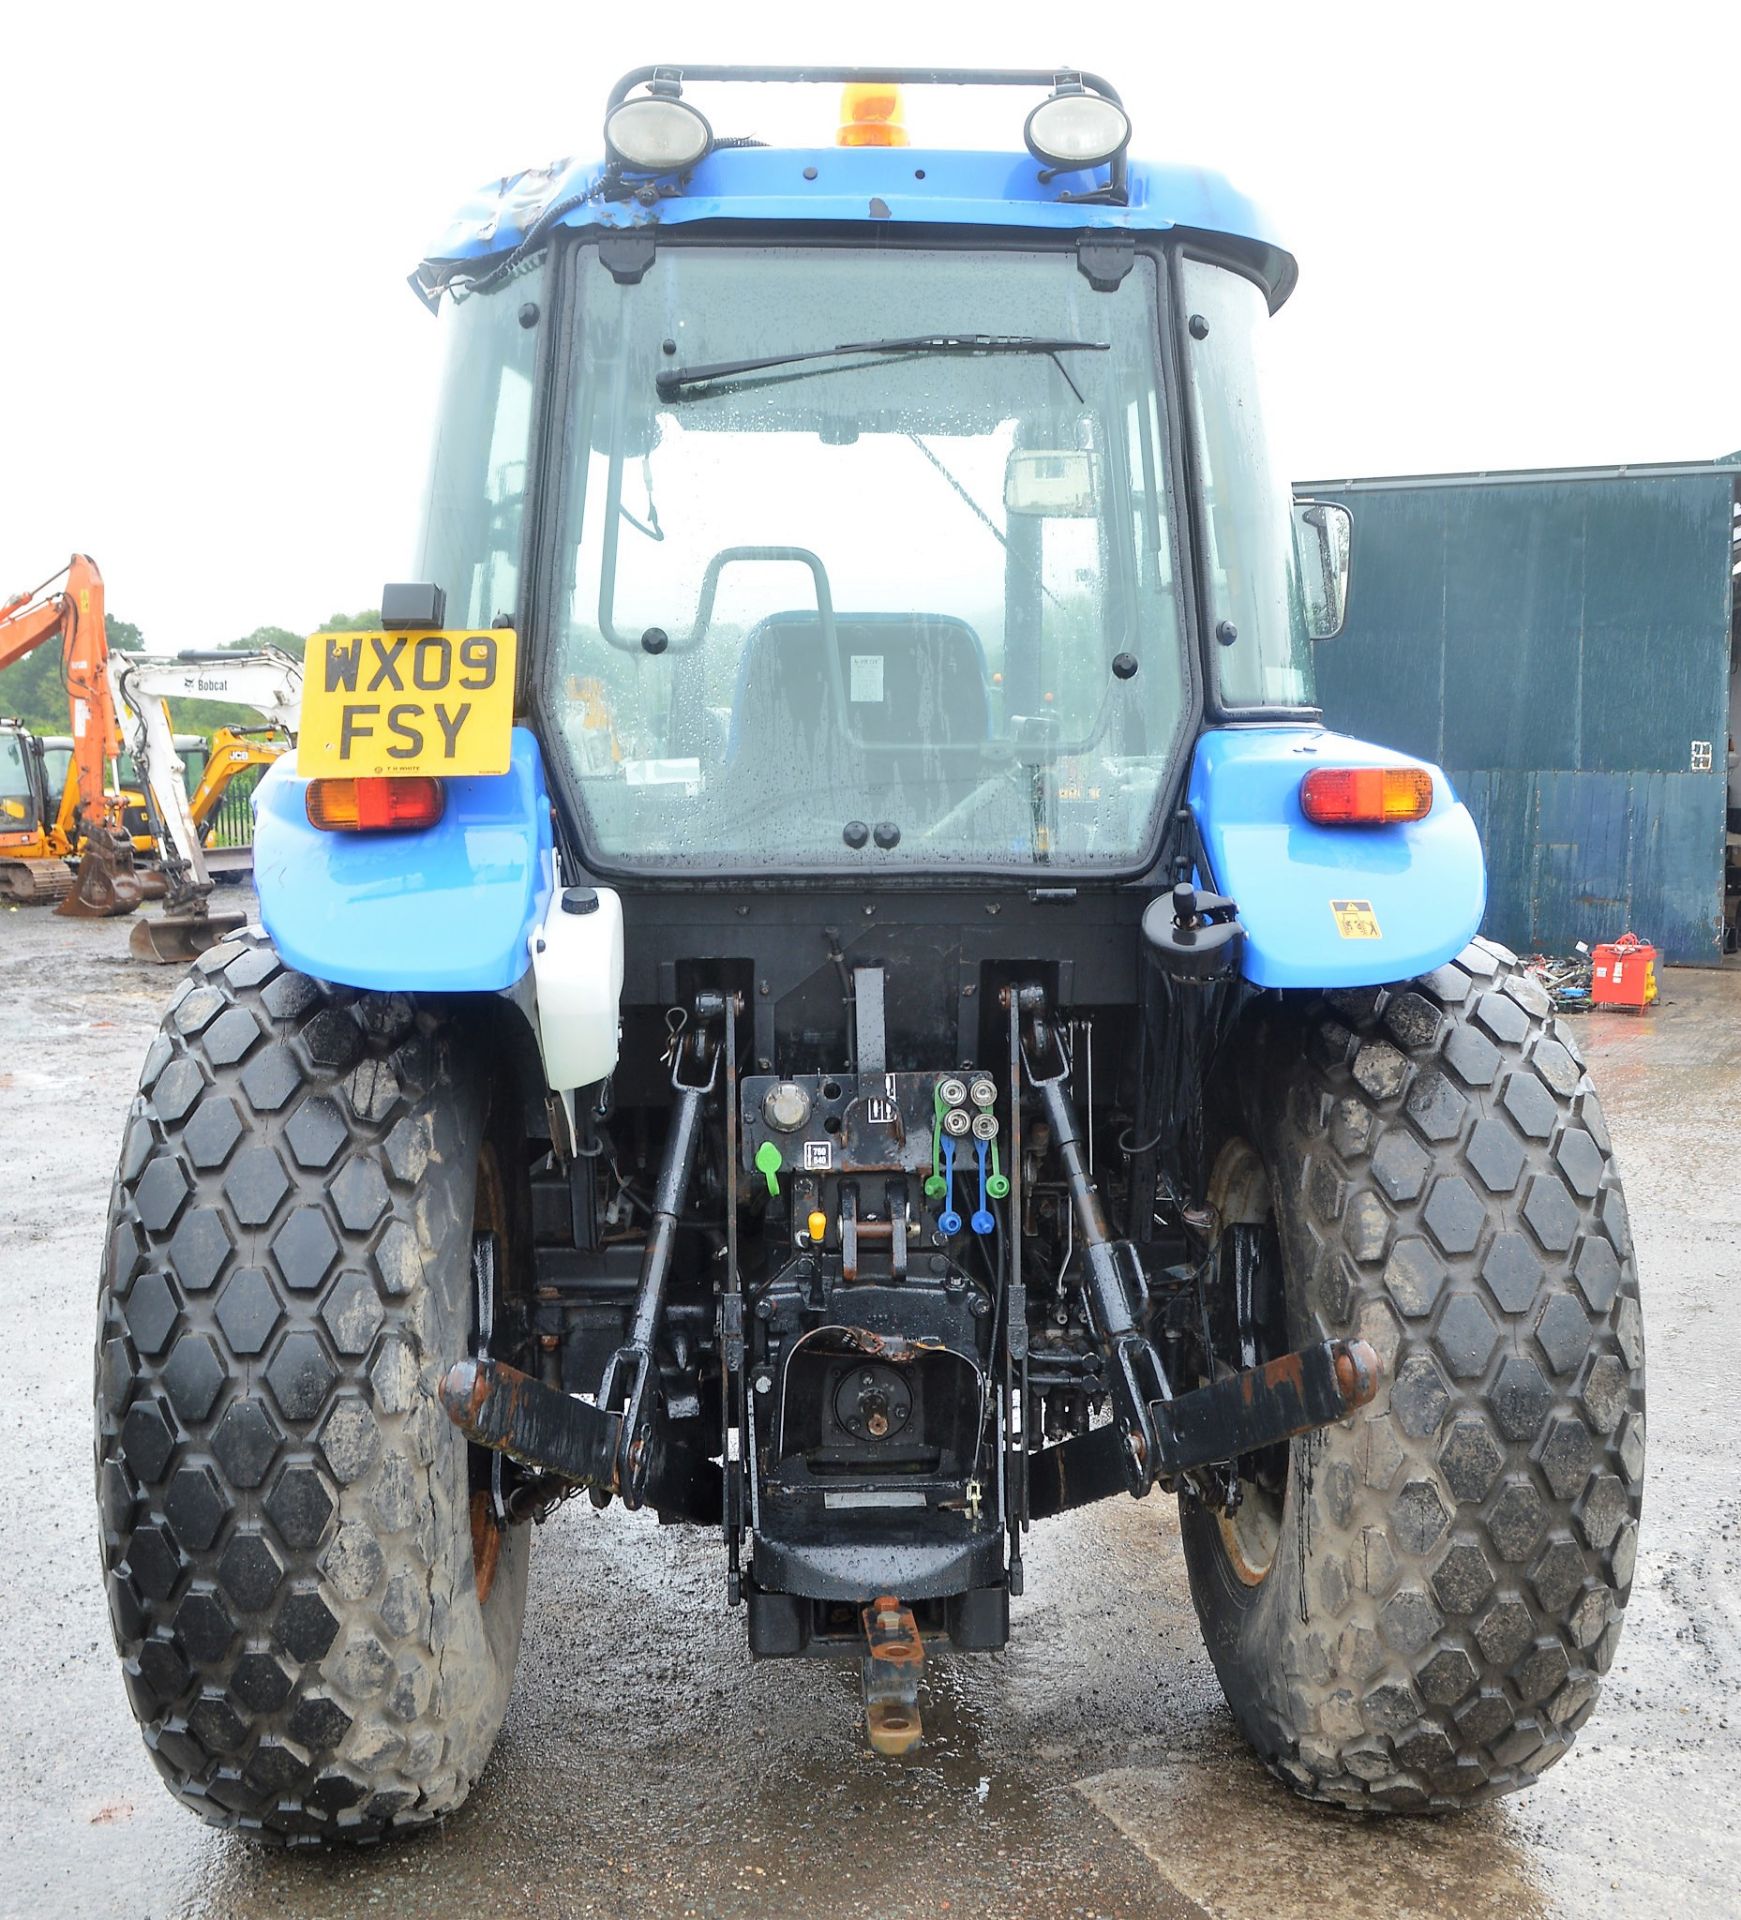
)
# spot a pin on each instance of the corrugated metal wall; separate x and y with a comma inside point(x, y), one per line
point(1557, 643)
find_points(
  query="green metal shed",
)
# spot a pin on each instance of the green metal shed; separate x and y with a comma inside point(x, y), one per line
point(1560, 642)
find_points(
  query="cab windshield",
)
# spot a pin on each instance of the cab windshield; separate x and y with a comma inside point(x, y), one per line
point(57, 765)
point(906, 606)
point(18, 810)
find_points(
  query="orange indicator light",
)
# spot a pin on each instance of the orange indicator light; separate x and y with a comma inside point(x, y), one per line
point(1365, 796)
point(374, 804)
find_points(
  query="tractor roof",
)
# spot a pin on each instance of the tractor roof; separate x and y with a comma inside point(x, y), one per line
point(842, 188)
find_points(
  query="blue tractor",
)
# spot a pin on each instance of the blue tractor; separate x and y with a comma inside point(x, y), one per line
point(822, 976)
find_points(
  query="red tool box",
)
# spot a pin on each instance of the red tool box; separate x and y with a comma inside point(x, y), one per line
point(1623, 974)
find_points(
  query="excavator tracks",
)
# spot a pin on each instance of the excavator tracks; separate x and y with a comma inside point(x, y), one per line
point(34, 883)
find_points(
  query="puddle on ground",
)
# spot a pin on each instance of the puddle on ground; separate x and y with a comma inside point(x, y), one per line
point(1240, 1846)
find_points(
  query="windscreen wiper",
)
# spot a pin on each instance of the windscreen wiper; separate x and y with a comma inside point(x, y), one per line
point(672, 380)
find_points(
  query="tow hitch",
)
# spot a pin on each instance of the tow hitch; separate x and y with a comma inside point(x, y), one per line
point(892, 1666)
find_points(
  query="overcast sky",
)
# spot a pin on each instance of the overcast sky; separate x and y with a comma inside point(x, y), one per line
point(1515, 225)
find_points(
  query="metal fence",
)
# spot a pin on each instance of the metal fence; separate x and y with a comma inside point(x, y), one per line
point(232, 825)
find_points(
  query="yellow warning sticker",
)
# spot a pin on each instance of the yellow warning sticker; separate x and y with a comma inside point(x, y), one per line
point(1355, 920)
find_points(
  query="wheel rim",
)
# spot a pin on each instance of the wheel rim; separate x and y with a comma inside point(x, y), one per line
point(1251, 1535)
point(486, 1544)
point(1249, 1261)
point(489, 1215)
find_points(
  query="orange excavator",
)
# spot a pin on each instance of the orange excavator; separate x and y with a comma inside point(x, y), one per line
point(68, 606)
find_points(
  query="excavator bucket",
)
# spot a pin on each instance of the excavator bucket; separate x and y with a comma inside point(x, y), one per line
point(106, 884)
point(172, 939)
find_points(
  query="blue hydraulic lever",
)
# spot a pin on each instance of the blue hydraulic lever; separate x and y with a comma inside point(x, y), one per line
point(948, 1221)
point(982, 1220)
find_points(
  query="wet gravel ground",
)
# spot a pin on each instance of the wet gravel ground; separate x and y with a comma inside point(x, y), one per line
point(648, 1768)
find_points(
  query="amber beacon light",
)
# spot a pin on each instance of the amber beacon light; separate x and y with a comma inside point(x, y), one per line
point(1365, 796)
point(871, 115)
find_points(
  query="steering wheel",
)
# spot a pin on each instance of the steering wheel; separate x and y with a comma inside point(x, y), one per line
point(965, 808)
point(686, 643)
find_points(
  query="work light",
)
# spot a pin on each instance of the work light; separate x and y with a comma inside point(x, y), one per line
point(1076, 129)
point(657, 133)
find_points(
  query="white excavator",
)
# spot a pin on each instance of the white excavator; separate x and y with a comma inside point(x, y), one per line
point(268, 681)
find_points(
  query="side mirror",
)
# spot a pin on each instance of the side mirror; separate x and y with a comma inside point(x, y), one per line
point(1323, 533)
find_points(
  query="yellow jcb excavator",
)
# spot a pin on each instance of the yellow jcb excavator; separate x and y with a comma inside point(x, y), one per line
point(44, 823)
point(212, 768)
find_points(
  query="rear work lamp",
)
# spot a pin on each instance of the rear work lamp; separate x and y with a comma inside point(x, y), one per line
point(374, 804)
point(1077, 129)
point(656, 131)
point(1366, 796)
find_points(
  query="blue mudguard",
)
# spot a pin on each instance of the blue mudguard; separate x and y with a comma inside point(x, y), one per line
point(1424, 882)
point(444, 910)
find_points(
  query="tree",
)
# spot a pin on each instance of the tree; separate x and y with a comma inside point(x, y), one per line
point(280, 637)
point(34, 691)
point(289, 642)
point(204, 716)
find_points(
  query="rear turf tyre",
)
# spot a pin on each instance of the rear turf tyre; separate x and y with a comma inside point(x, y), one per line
point(1417, 1609)
point(312, 1646)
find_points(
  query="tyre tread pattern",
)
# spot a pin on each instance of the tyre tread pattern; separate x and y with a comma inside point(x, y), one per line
point(1465, 1547)
point(301, 1643)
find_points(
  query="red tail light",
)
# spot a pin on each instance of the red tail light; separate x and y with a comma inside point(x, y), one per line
point(1365, 796)
point(377, 804)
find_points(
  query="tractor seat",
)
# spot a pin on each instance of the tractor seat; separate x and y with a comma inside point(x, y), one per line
point(911, 687)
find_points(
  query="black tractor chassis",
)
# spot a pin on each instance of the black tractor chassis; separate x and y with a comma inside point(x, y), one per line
point(864, 1307)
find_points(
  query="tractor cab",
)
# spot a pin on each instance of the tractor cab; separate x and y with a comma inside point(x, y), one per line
point(885, 519)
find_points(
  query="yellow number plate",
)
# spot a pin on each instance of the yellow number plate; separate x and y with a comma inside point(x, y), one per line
point(1355, 919)
point(433, 703)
